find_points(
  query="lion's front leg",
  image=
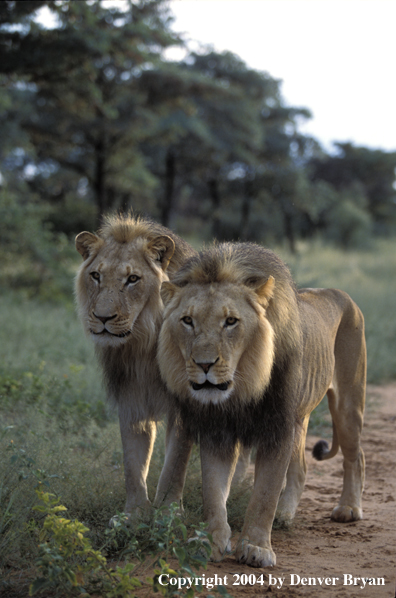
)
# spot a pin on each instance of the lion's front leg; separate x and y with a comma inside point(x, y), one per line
point(217, 472)
point(177, 453)
point(137, 442)
point(254, 545)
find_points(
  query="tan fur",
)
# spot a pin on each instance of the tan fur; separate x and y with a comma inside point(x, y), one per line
point(254, 379)
point(119, 303)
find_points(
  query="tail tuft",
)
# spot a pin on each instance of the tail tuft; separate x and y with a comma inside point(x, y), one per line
point(320, 450)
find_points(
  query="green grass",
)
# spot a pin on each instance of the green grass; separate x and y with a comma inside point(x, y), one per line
point(35, 335)
point(55, 427)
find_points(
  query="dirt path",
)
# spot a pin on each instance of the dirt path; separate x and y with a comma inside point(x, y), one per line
point(316, 547)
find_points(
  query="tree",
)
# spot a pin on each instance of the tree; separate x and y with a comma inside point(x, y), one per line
point(179, 128)
point(91, 113)
point(373, 170)
point(218, 133)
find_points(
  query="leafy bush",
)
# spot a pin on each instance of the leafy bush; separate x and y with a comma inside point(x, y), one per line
point(349, 225)
point(34, 258)
point(67, 562)
point(61, 400)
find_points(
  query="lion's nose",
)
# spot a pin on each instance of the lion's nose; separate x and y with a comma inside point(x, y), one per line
point(105, 319)
point(206, 366)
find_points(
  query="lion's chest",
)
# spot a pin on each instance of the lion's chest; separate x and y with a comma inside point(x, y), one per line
point(134, 382)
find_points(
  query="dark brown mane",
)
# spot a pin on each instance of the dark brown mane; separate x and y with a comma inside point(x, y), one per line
point(219, 427)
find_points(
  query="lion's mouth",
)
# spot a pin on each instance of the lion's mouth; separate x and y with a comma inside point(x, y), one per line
point(209, 386)
point(122, 335)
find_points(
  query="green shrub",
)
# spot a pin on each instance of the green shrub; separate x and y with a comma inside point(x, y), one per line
point(34, 258)
point(68, 563)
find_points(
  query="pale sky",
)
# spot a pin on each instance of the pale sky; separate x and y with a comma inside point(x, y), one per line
point(335, 57)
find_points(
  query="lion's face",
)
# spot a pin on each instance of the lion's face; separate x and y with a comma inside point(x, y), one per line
point(216, 341)
point(116, 283)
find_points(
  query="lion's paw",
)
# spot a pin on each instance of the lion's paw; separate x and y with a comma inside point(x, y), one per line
point(345, 513)
point(255, 556)
point(221, 544)
point(284, 519)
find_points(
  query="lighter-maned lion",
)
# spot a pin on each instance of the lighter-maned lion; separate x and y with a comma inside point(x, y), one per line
point(119, 303)
point(248, 357)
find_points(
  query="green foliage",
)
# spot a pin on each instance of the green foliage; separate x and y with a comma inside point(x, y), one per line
point(349, 225)
point(95, 119)
point(339, 217)
point(88, 109)
point(60, 399)
point(49, 440)
point(67, 561)
point(373, 170)
point(33, 257)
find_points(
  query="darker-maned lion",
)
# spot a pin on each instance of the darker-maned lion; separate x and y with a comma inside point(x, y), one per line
point(118, 297)
point(248, 357)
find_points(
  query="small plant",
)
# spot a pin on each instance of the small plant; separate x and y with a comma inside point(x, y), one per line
point(61, 399)
point(68, 563)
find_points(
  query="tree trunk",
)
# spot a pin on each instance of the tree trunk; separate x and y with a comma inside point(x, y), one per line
point(288, 223)
point(170, 175)
point(215, 198)
point(99, 180)
point(245, 210)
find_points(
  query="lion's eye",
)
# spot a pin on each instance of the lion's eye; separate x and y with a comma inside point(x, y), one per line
point(230, 322)
point(132, 279)
point(95, 275)
point(187, 320)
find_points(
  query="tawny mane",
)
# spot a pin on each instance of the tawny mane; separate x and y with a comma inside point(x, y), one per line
point(126, 228)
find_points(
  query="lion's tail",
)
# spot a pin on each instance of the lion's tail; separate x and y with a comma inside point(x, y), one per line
point(321, 449)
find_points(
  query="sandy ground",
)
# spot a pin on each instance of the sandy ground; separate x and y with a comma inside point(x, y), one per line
point(316, 547)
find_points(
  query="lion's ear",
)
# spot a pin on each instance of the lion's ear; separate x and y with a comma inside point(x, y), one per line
point(86, 244)
point(266, 291)
point(162, 249)
point(168, 291)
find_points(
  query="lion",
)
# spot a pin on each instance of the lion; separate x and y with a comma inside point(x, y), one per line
point(118, 297)
point(247, 358)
